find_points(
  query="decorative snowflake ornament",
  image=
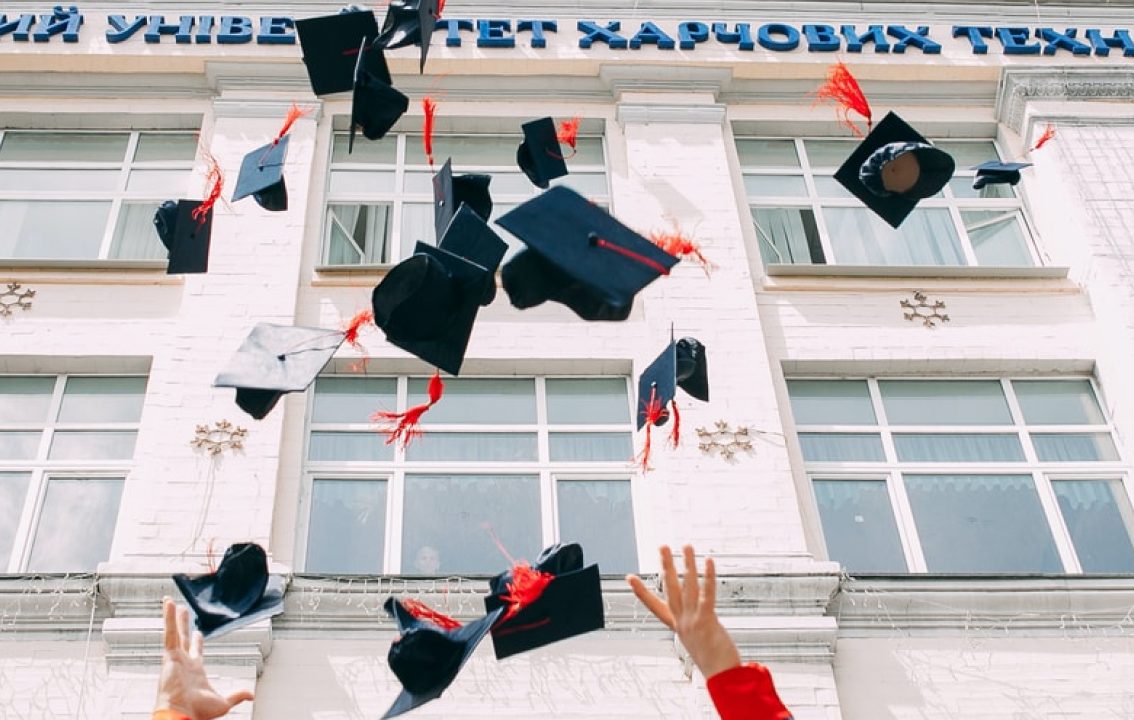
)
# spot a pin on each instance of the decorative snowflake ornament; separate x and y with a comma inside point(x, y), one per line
point(921, 309)
point(723, 440)
point(215, 440)
point(13, 298)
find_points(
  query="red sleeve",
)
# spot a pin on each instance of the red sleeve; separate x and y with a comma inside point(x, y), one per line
point(746, 692)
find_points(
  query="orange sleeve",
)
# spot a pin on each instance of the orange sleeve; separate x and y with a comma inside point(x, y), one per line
point(746, 692)
point(167, 714)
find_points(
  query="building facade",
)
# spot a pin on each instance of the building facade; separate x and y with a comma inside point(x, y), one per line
point(913, 471)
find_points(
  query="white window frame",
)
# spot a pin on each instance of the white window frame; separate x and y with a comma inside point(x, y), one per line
point(116, 197)
point(891, 470)
point(394, 471)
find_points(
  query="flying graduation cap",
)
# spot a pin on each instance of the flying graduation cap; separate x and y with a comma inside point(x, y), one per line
point(261, 171)
point(553, 600)
point(997, 172)
point(539, 155)
point(450, 191)
point(410, 22)
point(330, 47)
point(185, 226)
point(893, 168)
point(579, 255)
point(430, 651)
point(683, 364)
point(239, 593)
point(376, 104)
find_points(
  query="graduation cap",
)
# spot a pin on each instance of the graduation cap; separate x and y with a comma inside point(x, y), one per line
point(539, 154)
point(409, 22)
point(893, 168)
point(376, 104)
point(330, 47)
point(239, 593)
point(430, 651)
point(274, 360)
point(683, 364)
point(449, 191)
point(559, 598)
point(184, 236)
point(261, 176)
point(996, 172)
point(579, 255)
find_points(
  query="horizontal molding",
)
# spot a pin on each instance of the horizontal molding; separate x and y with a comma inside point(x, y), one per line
point(137, 642)
point(249, 108)
point(1021, 86)
point(33, 604)
point(650, 113)
point(913, 271)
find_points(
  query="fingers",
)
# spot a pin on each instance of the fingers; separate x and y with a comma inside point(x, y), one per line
point(709, 598)
point(169, 612)
point(238, 697)
point(196, 644)
point(652, 602)
point(669, 582)
point(690, 592)
point(183, 630)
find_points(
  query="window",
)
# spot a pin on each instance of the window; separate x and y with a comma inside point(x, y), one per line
point(380, 198)
point(66, 444)
point(89, 195)
point(804, 217)
point(526, 461)
point(965, 475)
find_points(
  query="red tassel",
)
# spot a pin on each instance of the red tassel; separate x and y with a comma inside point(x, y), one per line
point(843, 89)
point(214, 181)
point(1048, 134)
point(421, 611)
point(677, 244)
point(293, 114)
point(568, 134)
point(405, 424)
point(353, 328)
point(525, 588)
point(675, 434)
point(654, 412)
point(628, 253)
point(430, 108)
point(440, 9)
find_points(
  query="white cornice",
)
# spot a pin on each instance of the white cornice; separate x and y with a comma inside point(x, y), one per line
point(137, 642)
point(1021, 86)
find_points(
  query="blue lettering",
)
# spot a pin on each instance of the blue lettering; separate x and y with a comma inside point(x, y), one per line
point(234, 30)
point(741, 36)
point(537, 27)
point(1014, 40)
point(918, 38)
point(608, 35)
point(1066, 40)
point(975, 34)
point(764, 37)
point(651, 35)
point(20, 29)
point(875, 34)
point(1120, 39)
point(690, 33)
point(62, 20)
point(205, 29)
point(821, 38)
point(274, 31)
point(122, 30)
point(492, 34)
point(181, 30)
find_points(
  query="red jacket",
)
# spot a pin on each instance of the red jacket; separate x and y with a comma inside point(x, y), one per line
point(746, 692)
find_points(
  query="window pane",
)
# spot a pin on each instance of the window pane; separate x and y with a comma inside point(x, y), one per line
point(384, 151)
point(588, 151)
point(63, 147)
point(858, 525)
point(357, 234)
point(828, 153)
point(473, 447)
point(997, 238)
point(91, 399)
point(842, 447)
point(76, 525)
point(417, 226)
point(350, 446)
point(52, 230)
point(775, 186)
point(926, 237)
point(347, 533)
point(159, 182)
point(828, 187)
point(420, 183)
point(352, 400)
point(962, 187)
point(361, 182)
point(71, 445)
point(598, 515)
point(981, 523)
point(134, 235)
point(1069, 447)
point(59, 180)
point(1058, 402)
point(912, 447)
point(788, 236)
point(831, 402)
point(471, 149)
point(587, 401)
point(166, 147)
point(480, 401)
point(25, 399)
point(515, 183)
point(969, 153)
point(579, 447)
point(13, 491)
point(1099, 518)
point(449, 521)
point(944, 402)
point(19, 445)
point(767, 153)
point(587, 184)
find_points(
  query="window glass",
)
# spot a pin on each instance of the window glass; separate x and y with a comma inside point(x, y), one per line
point(25, 399)
point(828, 153)
point(788, 236)
point(1058, 402)
point(842, 447)
point(174, 183)
point(859, 526)
point(598, 515)
point(478, 401)
point(384, 151)
point(586, 401)
point(962, 188)
point(166, 147)
point(997, 237)
point(927, 237)
point(349, 447)
point(357, 233)
point(347, 532)
point(52, 229)
point(63, 147)
point(958, 447)
point(92, 445)
point(134, 234)
point(831, 402)
point(360, 182)
point(1100, 520)
point(13, 491)
point(76, 525)
point(47, 180)
point(944, 402)
point(19, 445)
point(102, 399)
point(1071, 447)
point(581, 447)
point(775, 185)
point(352, 400)
point(767, 153)
point(967, 153)
point(473, 447)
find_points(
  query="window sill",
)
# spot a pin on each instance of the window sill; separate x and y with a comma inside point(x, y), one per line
point(913, 271)
point(125, 272)
point(331, 275)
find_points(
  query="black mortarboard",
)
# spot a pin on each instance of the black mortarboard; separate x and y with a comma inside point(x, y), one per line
point(240, 592)
point(693, 368)
point(470, 237)
point(578, 255)
point(409, 22)
point(376, 104)
point(539, 154)
point(996, 172)
point(570, 604)
point(683, 364)
point(427, 303)
point(186, 240)
point(426, 657)
point(449, 191)
point(261, 176)
point(330, 47)
point(893, 168)
point(274, 360)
